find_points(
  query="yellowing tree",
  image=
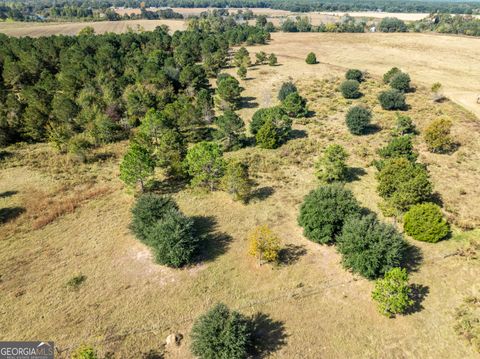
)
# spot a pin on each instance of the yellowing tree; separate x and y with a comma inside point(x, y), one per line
point(264, 244)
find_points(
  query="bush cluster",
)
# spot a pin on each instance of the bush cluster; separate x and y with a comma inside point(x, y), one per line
point(271, 127)
point(392, 100)
point(425, 222)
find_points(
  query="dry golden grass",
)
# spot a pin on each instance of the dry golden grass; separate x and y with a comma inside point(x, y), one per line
point(128, 304)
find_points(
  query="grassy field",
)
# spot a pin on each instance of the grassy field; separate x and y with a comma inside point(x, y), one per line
point(71, 220)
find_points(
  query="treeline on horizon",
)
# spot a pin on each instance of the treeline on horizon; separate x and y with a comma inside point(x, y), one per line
point(28, 10)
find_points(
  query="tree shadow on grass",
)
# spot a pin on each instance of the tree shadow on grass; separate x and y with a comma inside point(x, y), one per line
point(248, 102)
point(168, 186)
point(372, 129)
point(419, 293)
point(10, 213)
point(354, 173)
point(268, 335)
point(261, 193)
point(213, 243)
point(7, 194)
point(413, 258)
point(296, 134)
point(5, 154)
point(290, 254)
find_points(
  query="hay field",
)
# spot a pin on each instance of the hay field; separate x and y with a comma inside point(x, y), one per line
point(34, 29)
point(316, 309)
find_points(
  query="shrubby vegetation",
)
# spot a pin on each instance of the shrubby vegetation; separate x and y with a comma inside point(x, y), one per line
point(392, 24)
point(399, 146)
point(404, 126)
point(271, 127)
point(393, 293)
point(311, 59)
point(425, 222)
point(264, 244)
point(350, 89)
point(392, 100)
point(354, 74)
point(295, 105)
point(324, 210)
point(400, 82)
point(369, 247)
point(437, 136)
point(236, 181)
point(137, 166)
point(332, 167)
point(221, 333)
point(286, 89)
point(387, 77)
point(205, 164)
point(230, 130)
point(358, 119)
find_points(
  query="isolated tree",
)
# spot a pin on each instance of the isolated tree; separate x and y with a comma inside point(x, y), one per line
point(354, 74)
point(400, 82)
point(390, 74)
point(392, 100)
point(272, 60)
point(295, 105)
point(404, 126)
point(242, 72)
point(261, 57)
point(437, 136)
point(236, 181)
point(370, 247)
point(311, 59)
point(264, 244)
point(221, 333)
point(230, 130)
point(172, 239)
point(358, 119)
point(148, 210)
point(425, 222)
point(332, 167)
point(242, 58)
point(286, 89)
point(228, 92)
point(393, 293)
point(402, 183)
point(205, 164)
point(324, 210)
point(350, 89)
point(137, 166)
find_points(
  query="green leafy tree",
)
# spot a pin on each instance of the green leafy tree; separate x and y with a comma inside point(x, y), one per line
point(228, 92)
point(295, 105)
point(242, 72)
point(425, 222)
point(231, 130)
point(400, 146)
point(354, 74)
point(286, 89)
point(400, 82)
point(324, 210)
point(221, 333)
point(261, 57)
point(332, 165)
point(437, 136)
point(204, 162)
point(358, 119)
point(392, 100)
point(311, 59)
point(390, 74)
point(277, 115)
point(169, 151)
point(393, 293)
point(350, 89)
point(242, 58)
point(268, 136)
point(402, 183)
point(272, 60)
point(137, 166)
point(236, 181)
point(369, 247)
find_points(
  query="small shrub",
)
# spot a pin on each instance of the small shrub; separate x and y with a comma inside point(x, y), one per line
point(425, 222)
point(78, 147)
point(437, 136)
point(267, 137)
point(242, 72)
point(437, 94)
point(272, 127)
point(324, 210)
point(404, 126)
point(392, 100)
point(84, 352)
point(350, 89)
point(264, 244)
point(237, 181)
point(332, 165)
point(390, 74)
point(311, 59)
point(358, 119)
point(221, 333)
point(354, 74)
point(149, 209)
point(172, 239)
point(399, 147)
point(286, 89)
point(272, 60)
point(369, 247)
point(76, 281)
point(400, 82)
point(393, 293)
point(403, 183)
point(295, 105)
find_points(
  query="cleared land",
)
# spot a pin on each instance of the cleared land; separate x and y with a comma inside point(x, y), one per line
point(316, 309)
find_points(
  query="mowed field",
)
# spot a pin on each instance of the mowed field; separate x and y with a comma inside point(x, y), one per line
point(312, 307)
